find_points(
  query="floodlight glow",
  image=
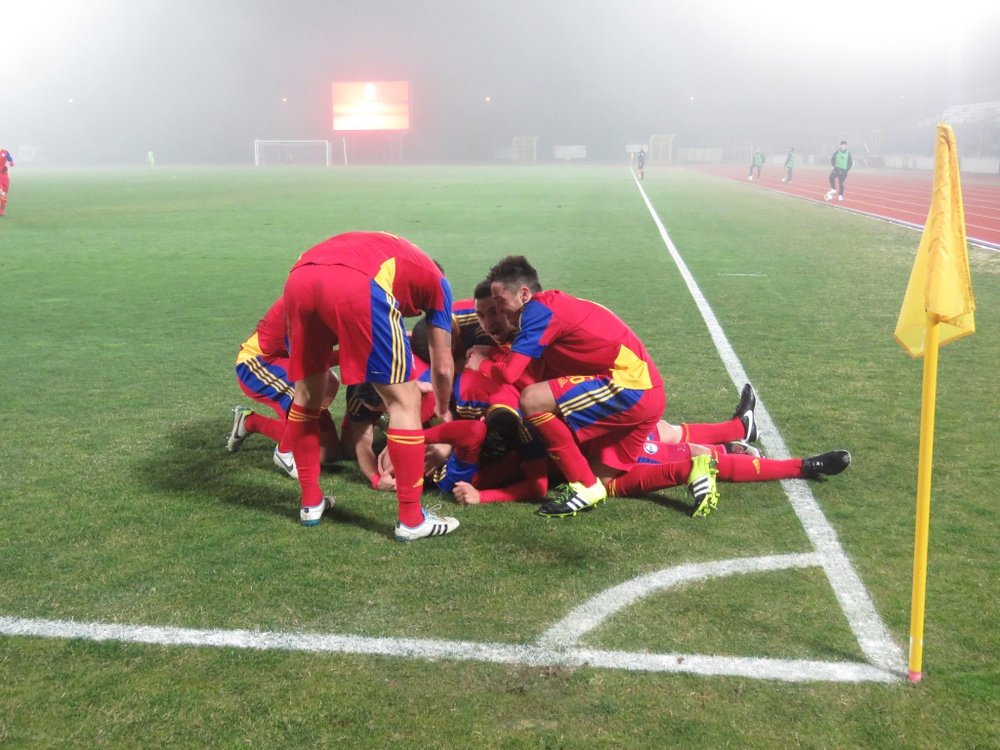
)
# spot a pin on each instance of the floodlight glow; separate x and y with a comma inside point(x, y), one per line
point(371, 106)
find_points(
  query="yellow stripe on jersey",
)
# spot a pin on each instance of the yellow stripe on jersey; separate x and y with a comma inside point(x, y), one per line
point(386, 275)
point(249, 349)
point(589, 398)
point(268, 378)
point(539, 419)
point(398, 373)
point(630, 371)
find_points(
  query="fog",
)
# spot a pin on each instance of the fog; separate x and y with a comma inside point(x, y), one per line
point(196, 81)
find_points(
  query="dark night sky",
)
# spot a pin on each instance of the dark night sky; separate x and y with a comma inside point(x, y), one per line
point(198, 80)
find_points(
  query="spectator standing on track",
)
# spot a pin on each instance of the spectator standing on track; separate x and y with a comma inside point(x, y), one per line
point(789, 165)
point(756, 163)
point(842, 162)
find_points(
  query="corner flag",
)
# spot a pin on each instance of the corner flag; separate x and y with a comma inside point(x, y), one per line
point(937, 308)
point(940, 285)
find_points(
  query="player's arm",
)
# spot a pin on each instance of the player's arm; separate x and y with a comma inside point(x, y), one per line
point(362, 439)
point(442, 369)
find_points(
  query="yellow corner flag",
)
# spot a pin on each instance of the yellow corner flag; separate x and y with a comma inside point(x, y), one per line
point(937, 308)
point(940, 285)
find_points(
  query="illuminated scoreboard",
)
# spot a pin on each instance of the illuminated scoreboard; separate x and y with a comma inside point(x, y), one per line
point(381, 105)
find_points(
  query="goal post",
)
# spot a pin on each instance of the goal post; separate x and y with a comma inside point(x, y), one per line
point(277, 153)
point(525, 149)
point(661, 149)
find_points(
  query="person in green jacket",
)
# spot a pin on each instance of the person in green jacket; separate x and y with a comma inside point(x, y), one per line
point(756, 163)
point(841, 161)
point(789, 165)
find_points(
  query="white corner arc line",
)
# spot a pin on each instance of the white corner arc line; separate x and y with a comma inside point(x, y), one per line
point(871, 633)
point(592, 613)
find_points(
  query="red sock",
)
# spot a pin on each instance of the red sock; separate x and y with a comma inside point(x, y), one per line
point(713, 433)
point(272, 428)
point(736, 467)
point(464, 435)
point(406, 449)
point(562, 447)
point(644, 478)
point(302, 433)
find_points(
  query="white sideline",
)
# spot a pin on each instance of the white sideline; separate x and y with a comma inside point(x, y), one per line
point(868, 628)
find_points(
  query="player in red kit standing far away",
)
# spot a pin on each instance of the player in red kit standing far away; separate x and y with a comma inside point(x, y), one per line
point(6, 162)
point(354, 289)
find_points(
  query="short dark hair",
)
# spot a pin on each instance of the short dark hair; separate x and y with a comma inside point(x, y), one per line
point(515, 271)
point(482, 290)
point(419, 342)
point(843, 143)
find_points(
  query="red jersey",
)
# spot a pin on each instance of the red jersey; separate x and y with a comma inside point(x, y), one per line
point(5, 159)
point(575, 336)
point(396, 265)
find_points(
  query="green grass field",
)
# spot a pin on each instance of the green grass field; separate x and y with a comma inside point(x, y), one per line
point(125, 295)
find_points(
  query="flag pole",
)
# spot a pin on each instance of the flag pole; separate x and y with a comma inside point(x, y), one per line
point(925, 464)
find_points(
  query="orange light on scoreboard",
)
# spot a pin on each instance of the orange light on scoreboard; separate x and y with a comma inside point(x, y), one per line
point(381, 105)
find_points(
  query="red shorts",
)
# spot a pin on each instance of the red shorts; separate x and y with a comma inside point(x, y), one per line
point(4, 182)
point(610, 422)
point(331, 305)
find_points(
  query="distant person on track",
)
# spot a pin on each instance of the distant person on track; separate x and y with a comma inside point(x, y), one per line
point(756, 164)
point(842, 162)
point(6, 162)
point(789, 165)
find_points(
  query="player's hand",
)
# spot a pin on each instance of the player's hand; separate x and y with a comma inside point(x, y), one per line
point(447, 416)
point(386, 483)
point(474, 358)
point(466, 494)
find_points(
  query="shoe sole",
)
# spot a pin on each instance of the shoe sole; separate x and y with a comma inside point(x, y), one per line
point(569, 513)
point(706, 507)
point(235, 442)
point(434, 532)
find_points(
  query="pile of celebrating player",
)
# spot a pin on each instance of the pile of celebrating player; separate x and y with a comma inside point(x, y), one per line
point(491, 398)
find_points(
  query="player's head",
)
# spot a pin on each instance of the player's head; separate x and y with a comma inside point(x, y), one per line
point(513, 280)
point(843, 145)
point(419, 342)
point(491, 320)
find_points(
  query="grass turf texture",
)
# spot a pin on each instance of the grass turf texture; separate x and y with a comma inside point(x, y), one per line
point(126, 295)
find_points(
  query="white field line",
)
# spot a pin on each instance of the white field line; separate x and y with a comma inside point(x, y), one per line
point(864, 620)
point(796, 670)
point(591, 614)
point(556, 646)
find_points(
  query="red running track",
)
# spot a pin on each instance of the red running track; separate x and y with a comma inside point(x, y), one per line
point(899, 197)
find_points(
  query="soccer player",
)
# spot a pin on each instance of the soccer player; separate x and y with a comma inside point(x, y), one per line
point(641, 163)
point(602, 386)
point(756, 164)
point(6, 162)
point(354, 289)
point(789, 165)
point(262, 374)
point(842, 162)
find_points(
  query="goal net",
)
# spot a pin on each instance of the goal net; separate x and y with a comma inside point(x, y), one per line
point(291, 153)
point(525, 149)
point(661, 149)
